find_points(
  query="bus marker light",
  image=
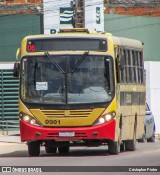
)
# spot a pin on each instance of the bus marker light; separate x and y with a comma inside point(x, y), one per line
point(95, 134)
point(37, 134)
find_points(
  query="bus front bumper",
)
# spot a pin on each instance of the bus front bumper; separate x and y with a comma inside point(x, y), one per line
point(100, 132)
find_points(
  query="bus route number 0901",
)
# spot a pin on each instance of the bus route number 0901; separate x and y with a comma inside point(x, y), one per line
point(55, 122)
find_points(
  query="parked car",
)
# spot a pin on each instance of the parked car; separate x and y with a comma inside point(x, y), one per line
point(149, 129)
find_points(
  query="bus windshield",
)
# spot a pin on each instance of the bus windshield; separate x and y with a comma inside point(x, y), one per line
point(58, 79)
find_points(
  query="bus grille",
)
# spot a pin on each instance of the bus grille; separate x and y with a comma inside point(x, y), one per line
point(66, 113)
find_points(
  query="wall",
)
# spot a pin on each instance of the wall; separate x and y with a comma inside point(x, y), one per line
point(145, 29)
point(153, 90)
point(13, 28)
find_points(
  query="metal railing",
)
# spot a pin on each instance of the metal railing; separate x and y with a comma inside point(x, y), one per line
point(8, 100)
point(6, 125)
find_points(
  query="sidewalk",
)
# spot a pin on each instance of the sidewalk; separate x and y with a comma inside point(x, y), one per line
point(11, 137)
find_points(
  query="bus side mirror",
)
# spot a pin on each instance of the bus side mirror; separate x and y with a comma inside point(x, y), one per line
point(16, 69)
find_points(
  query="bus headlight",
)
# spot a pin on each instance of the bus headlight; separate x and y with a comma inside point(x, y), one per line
point(26, 118)
point(105, 118)
point(108, 117)
point(29, 119)
point(33, 122)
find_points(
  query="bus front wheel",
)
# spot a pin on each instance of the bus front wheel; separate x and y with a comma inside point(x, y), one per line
point(113, 147)
point(34, 148)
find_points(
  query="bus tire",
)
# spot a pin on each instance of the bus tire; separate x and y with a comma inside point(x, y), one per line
point(50, 149)
point(113, 147)
point(152, 138)
point(63, 150)
point(130, 145)
point(34, 148)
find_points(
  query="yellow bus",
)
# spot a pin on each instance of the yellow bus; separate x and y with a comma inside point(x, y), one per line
point(80, 88)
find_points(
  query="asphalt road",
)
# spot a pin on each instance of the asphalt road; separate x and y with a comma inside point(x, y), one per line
point(146, 154)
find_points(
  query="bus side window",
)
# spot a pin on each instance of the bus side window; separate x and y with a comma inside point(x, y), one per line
point(134, 53)
point(136, 66)
point(140, 68)
point(125, 65)
point(131, 72)
point(120, 64)
point(128, 63)
point(123, 71)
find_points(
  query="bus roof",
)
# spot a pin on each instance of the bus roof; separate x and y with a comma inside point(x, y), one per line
point(126, 42)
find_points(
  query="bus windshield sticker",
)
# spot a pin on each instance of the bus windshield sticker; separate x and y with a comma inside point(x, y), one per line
point(41, 86)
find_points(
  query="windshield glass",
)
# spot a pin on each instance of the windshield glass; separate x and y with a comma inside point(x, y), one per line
point(58, 79)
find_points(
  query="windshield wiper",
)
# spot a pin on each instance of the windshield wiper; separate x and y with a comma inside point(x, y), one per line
point(79, 61)
point(55, 63)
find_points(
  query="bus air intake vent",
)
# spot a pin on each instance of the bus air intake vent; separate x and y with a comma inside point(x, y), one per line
point(66, 113)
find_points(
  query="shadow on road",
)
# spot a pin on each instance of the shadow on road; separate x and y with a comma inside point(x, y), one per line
point(74, 152)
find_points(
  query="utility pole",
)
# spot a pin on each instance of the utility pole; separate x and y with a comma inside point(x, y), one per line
point(79, 13)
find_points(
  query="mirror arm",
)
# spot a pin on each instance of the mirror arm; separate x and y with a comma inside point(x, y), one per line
point(16, 65)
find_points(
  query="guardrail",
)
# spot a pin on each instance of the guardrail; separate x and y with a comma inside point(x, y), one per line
point(9, 86)
point(6, 125)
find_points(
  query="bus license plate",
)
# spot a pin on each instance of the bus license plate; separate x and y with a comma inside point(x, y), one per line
point(66, 134)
